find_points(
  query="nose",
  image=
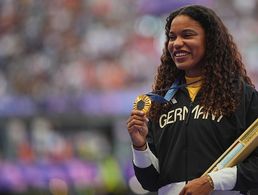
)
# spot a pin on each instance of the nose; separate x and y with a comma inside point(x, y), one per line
point(178, 42)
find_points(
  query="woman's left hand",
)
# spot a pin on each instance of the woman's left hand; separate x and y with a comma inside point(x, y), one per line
point(199, 186)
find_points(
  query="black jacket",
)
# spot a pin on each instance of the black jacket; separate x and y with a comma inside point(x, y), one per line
point(187, 142)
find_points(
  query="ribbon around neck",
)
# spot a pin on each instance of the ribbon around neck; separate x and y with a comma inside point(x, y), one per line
point(143, 102)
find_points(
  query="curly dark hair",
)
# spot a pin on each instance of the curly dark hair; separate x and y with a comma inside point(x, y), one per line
point(223, 66)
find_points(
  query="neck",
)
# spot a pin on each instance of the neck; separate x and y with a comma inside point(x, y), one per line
point(196, 81)
point(197, 71)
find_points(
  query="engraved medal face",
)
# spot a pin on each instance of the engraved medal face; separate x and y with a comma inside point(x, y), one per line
point(143, 103)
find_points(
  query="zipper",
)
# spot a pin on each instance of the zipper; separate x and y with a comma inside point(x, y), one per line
point(186, 142)
point(189, 113)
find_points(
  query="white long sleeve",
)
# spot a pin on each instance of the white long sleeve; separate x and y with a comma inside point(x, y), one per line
point(224, 179)
point(143, 159)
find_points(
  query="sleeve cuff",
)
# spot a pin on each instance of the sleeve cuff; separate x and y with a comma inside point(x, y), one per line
point(144, 159)
point(141, 158)
point(224, 179)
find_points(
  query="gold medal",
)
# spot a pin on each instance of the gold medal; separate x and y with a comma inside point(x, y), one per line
point(143, 103)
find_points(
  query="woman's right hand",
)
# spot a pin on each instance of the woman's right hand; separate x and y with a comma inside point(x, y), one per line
point(137, 129)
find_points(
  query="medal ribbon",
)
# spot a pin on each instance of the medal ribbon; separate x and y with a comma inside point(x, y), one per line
point(170, 93)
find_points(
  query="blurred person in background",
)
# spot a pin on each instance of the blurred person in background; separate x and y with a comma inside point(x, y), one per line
point(176, 142)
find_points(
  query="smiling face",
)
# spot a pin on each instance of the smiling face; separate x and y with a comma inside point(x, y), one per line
point(187, 44)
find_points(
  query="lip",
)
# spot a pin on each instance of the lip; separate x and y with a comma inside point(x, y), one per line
point(180, 55)
point(178, 52)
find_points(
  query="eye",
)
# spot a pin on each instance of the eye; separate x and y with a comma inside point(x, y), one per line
point(171, 37)
point(188, 35)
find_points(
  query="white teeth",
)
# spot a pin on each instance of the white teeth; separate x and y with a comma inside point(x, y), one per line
point(180, 54)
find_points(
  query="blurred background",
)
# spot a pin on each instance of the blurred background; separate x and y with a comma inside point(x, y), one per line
point(69, 73)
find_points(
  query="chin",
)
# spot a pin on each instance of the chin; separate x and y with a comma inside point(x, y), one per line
point(190, 70)
point(183, 66)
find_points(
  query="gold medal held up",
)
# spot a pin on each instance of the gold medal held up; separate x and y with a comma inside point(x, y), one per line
point(143, 103)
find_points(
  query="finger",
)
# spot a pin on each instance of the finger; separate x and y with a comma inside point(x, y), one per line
point(136, 122)
point(137, 112)
point(136, 117)
point(146, 119)
point(140, 118)
point(137, 128)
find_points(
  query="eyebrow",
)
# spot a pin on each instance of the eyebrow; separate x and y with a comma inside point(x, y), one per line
point(185, 30)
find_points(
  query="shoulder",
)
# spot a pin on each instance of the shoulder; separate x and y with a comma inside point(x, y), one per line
point(250, 92)
point(250, 102)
